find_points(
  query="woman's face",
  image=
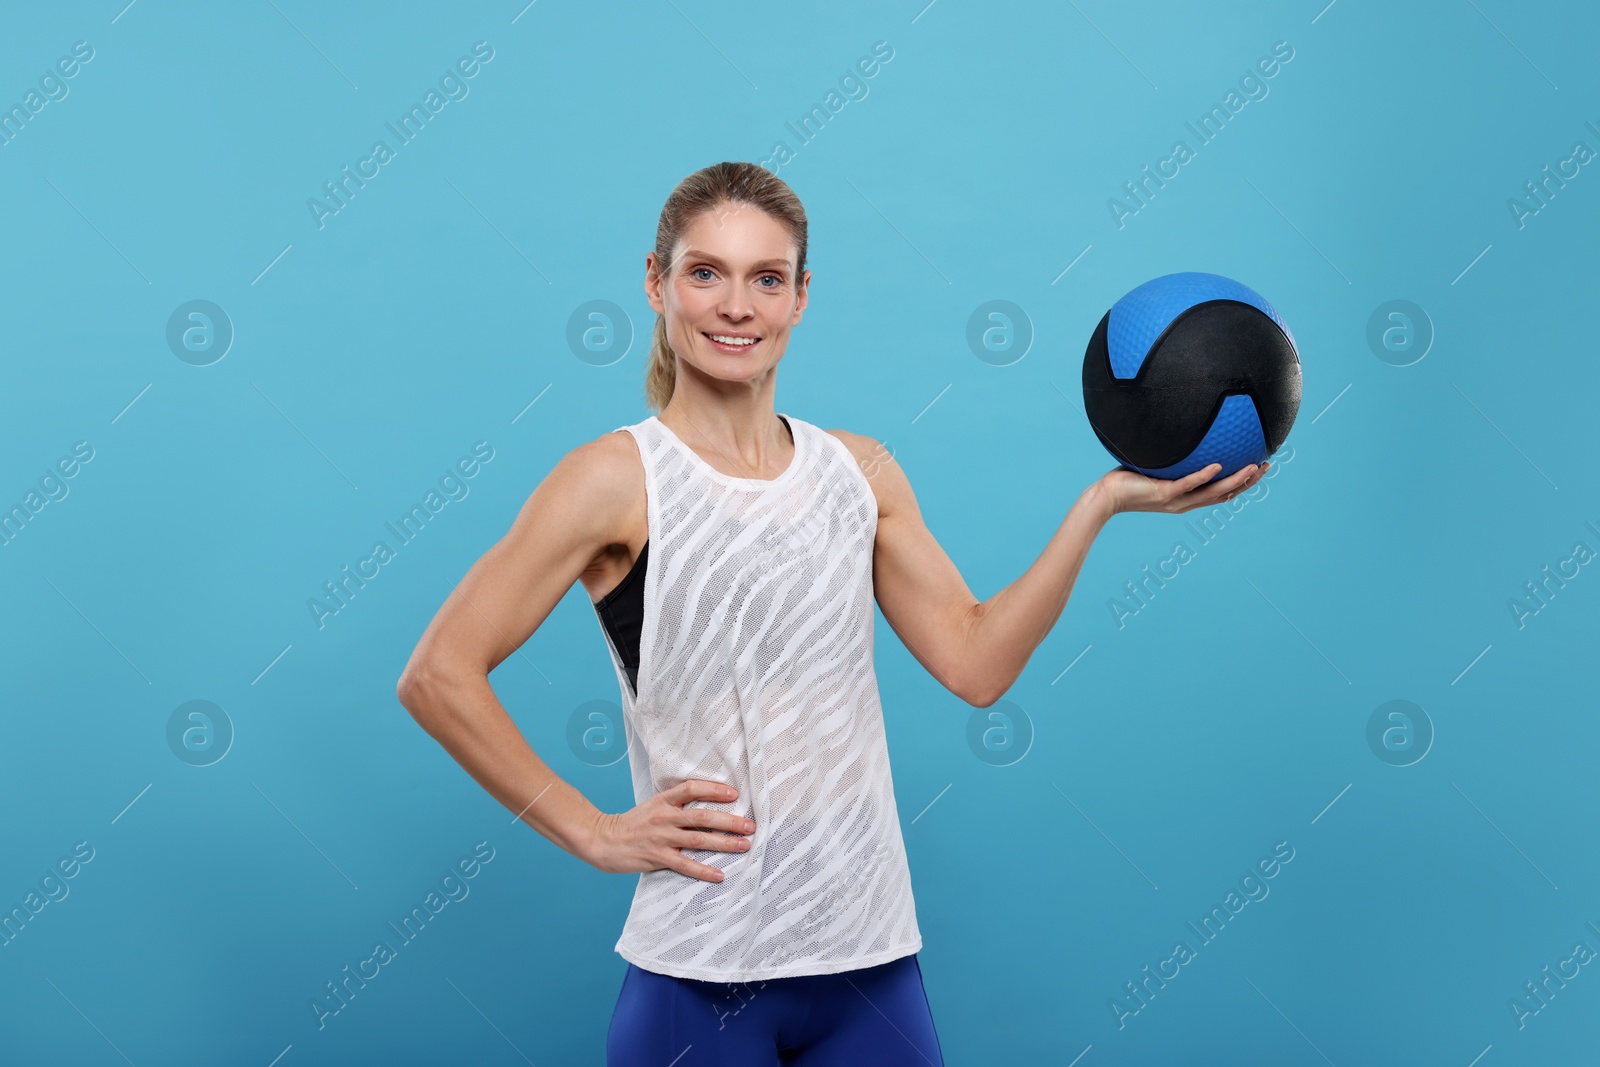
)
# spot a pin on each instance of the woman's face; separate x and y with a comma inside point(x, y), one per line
point(733, 279)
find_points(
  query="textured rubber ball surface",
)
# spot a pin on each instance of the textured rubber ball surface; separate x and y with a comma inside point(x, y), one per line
point(1219, 384)
point(1145, 311)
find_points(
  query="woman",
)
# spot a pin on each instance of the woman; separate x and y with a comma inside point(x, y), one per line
point(733, 556)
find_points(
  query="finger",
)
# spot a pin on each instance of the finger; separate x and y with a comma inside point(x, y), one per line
point(700, 789)
point(684, 865)
point(677, 861)
point(1192, 481)
point(1214, 493)
point(1229, 487)
point(1238, 479)
point(722, 822)
point(713, 842)
point(727, 821)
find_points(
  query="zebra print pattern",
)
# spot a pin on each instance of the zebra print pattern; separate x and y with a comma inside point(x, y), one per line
point(756, 670)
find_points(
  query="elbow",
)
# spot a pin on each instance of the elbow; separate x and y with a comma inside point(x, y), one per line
point(432, 690)
point(983, 698)
point(979, 690)
point(408, 690)
point(416, 688)
point(983, 684)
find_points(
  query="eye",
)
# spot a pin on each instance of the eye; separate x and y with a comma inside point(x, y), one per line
point(776, 278)
point(696, 273)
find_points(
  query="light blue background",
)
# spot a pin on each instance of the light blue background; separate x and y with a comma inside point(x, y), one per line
point(1409, 506)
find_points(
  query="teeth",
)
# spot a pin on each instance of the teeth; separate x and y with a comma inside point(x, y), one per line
point(733, 340)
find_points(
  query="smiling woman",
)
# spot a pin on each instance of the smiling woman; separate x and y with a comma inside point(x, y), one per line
point(733, 554)
point(743, 210)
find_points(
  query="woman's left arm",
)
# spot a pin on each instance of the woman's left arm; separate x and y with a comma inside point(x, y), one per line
point(977, 649)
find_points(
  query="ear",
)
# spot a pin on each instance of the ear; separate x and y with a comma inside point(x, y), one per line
point(653, 284)
point(803, 295)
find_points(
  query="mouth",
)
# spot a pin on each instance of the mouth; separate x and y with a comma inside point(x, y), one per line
point(732, 343)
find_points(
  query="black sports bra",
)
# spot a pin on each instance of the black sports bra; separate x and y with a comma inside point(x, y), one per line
point(621, 611)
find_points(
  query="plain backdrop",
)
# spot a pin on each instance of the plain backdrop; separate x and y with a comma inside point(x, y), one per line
point(1167, 750)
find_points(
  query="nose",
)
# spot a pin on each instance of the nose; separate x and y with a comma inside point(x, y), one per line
point(736, 306)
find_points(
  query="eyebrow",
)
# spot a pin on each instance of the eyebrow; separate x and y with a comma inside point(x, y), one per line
point(695, 253)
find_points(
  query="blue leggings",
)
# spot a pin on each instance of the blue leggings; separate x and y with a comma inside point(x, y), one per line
point(874, 1015)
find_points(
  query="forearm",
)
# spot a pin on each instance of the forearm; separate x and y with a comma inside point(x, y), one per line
point(463, 714)
point(1008, 626)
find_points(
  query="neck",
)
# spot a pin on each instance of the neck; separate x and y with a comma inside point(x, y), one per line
point(750, 437)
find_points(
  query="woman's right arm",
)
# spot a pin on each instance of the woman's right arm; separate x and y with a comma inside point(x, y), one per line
point(562, 528)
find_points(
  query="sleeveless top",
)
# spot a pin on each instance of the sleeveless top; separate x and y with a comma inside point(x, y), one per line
point(755, 669)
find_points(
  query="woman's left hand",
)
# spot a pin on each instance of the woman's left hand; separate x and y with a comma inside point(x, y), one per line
point(1126, 490)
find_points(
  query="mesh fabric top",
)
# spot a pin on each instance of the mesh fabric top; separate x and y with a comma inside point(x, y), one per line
point(756, 670)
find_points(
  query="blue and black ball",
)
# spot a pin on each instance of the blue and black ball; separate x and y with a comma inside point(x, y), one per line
point(1188, 370)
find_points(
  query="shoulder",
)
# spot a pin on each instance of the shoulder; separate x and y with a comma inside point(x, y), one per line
point(612, 456)
point(862, 447)
point(599, 485)
point(606, 465)
point(876, 460)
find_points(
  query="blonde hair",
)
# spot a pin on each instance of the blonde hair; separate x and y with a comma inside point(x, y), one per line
point(705, 190)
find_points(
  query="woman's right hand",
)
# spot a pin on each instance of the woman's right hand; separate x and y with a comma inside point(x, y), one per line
point(652, 836)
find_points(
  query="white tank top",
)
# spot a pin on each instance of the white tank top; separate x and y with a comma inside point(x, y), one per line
point(756, 670)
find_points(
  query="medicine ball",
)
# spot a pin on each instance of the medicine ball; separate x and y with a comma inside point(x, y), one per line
point(1191, 369)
